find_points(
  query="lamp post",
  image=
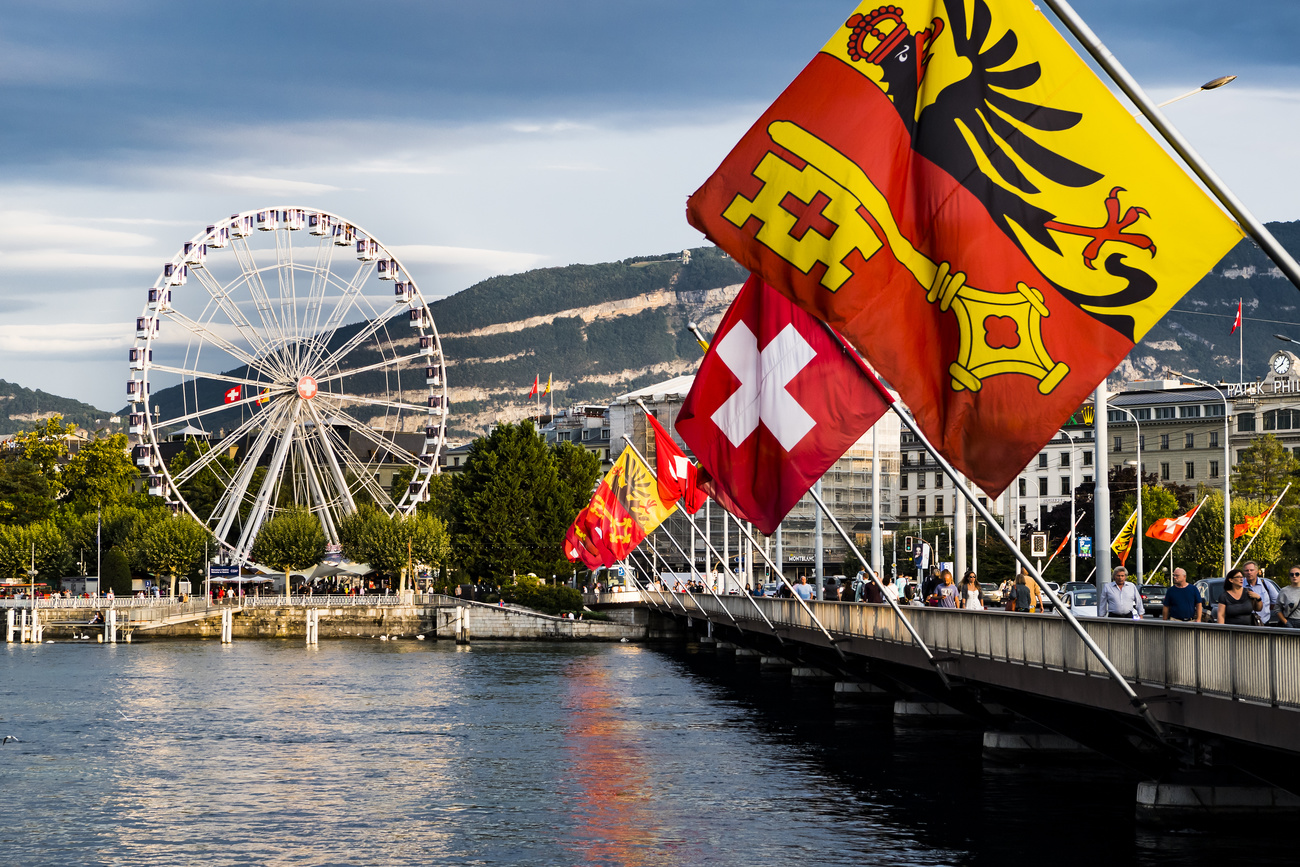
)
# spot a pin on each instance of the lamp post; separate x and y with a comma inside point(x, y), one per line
point(1227, 468)
point(1074, 541)
point(1138, 530)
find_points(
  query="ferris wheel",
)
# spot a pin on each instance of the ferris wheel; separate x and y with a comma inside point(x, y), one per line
point(298, 355)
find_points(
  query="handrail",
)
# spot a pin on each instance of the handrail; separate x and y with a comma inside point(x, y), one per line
point(1260, 665)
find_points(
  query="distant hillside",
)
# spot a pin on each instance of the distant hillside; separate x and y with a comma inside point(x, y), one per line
point(23, 408)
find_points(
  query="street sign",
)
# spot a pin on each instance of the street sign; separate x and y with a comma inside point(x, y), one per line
point(1085, 546)
point(215, 571)
point(1037, 544)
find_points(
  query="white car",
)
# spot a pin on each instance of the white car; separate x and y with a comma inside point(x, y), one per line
point(1082, 602)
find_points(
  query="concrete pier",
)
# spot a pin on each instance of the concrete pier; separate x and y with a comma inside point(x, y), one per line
point(1192, 804)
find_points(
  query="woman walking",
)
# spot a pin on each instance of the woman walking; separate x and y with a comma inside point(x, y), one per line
point(1024, 596)
point(970, 594)
point(1237, 605)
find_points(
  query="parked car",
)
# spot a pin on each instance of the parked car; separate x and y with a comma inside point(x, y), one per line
point(1076, 585)
point(1047, 603)
point(1153, 598)
point(1212, 588)
point(990, 595)
point(1081, 602)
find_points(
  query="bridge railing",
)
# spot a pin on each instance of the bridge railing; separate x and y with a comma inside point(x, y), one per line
point(1238, 662)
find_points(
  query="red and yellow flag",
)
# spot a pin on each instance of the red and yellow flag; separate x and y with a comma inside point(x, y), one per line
point(1251, 525)
point(1124, 539)
point(949, 186)
point(624, 510)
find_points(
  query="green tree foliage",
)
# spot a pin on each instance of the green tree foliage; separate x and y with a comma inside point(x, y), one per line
point(1200, 550)
point(100, 473)
point(577, 470)
point(206, 487)
point(54, 559)
point(441, 493)
point(292, 539)
point(1157, 503)
point(172, 547)
point(530, 592)
point(1264, 469)
point(385, 543)
point(507, 515)
point(25, 493)
point(115, 573)
point(45, 446)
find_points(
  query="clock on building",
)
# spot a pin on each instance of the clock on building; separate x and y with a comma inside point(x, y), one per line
point(1281, 363)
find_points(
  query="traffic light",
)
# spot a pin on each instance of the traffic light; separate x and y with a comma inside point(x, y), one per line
point(907, 544)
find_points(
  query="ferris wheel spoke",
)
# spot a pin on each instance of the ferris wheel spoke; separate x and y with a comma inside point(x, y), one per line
point(207, 334)
point(370, 329)
point(343, 399)
point(360, 470)
point(388, 445)
point(319, 285)
point(203, 374)
point(252, 278)
point(284, 273)
point(243, 401)
point(369, 367)
point(316, 488)
point(270, 485)
point(331, 461)
point(214, 452)
point(227, 305)
point(351, 292)
point(234, 495)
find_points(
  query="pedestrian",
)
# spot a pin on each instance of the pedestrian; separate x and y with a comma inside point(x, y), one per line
point(1288, 601)
point(970, 594)
point(1022, 599)
point(1256, 584)
point(1182, 600)
point(1238, 606)
point(946, 591)
point(1007, 593)
point(1120, 598)
point(1035, 594)
point(873, 593)
point(804, 590)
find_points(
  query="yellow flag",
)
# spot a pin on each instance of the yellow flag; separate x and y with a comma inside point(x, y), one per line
point(548, 384)
point(1124, 541)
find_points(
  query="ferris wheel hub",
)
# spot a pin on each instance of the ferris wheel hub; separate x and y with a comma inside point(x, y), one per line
point(307, 388)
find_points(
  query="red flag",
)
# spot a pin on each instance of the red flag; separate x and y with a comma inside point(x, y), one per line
point(1169, 529)
point(579, 543)
point(1236, 323)
point(949, 187)
point(777, 400)
point(232, 394)
point(536, 383)
point(1252, 524)
point(625, 508)
point(678, 477)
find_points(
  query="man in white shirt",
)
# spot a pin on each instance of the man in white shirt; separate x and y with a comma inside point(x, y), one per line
point(805, 592)
point(1119, 598)
point(1256, 584)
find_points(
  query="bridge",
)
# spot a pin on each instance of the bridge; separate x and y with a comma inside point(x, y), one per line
point(1227, 697)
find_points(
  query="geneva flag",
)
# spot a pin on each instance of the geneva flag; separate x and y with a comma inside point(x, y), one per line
point(776, 402)
point(624, 510)
point(951, 188)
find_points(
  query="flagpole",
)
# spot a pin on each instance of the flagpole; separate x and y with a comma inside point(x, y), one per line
point(1138, 704)
point(708, 543)
point(694, 572)
point(889, 598)
point(1241, 344)
point(1258, 530)
point(1180, 535)
point(652, 572)
point(1134, 91)
point(1069, 537)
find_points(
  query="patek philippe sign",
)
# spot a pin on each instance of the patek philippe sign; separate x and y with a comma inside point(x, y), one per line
point(1283, 379)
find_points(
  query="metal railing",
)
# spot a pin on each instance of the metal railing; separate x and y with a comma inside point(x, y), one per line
point(1242, 663)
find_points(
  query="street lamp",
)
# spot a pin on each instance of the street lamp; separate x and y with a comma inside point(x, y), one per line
point(1138, 530)
point(1227, 468)
point(1213, 84)
point(1074, 540)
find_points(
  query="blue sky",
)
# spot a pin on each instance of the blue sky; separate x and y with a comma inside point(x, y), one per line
point(481, 138)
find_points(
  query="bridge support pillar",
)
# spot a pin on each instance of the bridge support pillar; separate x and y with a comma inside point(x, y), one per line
point(110, 626)
point(744, 654)
point(1190, 803)
point(852, 690)
point(808, 673)
point(921, 711)
point(775, 663)
point(227, 626)
point(313, 626)
point(462, 626)
point(9, 625)
point(1013, 745)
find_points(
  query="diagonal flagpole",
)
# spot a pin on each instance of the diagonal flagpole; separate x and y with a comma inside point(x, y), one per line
point(1061, 547)
point(690, 561)
point(1181, 532)
point(1137, 702)
point(651, 583)
point(1271, 510)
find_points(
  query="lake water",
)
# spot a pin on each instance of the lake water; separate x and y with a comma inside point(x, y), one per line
point(370, 753)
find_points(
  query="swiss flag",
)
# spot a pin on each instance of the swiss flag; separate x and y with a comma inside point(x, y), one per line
point(777, 400)
point(677, 475)
point(1236, 323)
point(578, 542)
point(232, 394)
point(1169, 529)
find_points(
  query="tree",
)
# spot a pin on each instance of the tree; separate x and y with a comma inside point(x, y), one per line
point(53, 557)
point(1200, 550)
point(441, 493)
point(46, 447)
point(115, 573)
point(100, 473)
point(507, 515)
point(1264, 469)
point(293, 539)
point(25, 494)
point(173, 546)
point(387, 544)
point(205, 488)
point(430, 543)
point(577, 469)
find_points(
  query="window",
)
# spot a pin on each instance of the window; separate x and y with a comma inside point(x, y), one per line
point(1279, 419)
point(1042, 486)
point(1022, 514)
point(1164, 472)
point(1241, 455)
point(1042, 459)
point(1116, 415)
point(1214, 469)
point(839, 497)
point(1022, 488)
point(1087, 480)
point(920, 505)
point(984, 501)
point(938, 480)
point(1189, 470)
point(1165, 412)
point(1143, 414)
point(1119, 444)
point(907, 459)
point(1189, 411)
point(1065, 459)
point(1065, 486)
point(1087, 459)
point(920, 481)
point(902, 482)
point(1189, 441)
point(562, 436)
point(1164, 441)
point(938, 505)
point(1245, 422)
point(604, 433)
point(1142, 441)
point(902, 505)
point(1214, 438)
point(1214, 410)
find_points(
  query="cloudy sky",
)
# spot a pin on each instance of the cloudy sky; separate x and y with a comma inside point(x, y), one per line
point(478, 138)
